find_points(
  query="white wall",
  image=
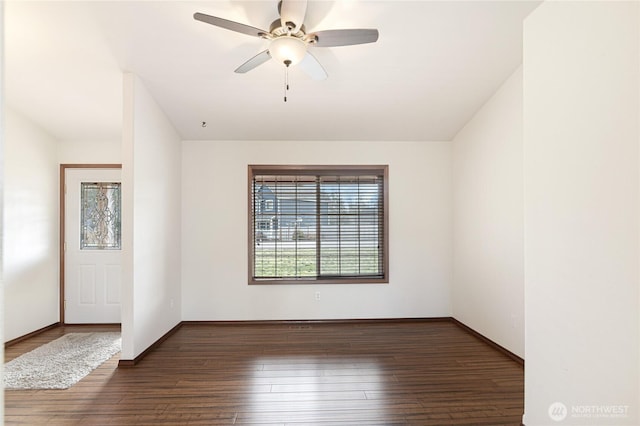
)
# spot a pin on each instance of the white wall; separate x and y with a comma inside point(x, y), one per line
point(30, 240)
point(151, 221)
point(488, 264)
point(581, 138)
point(2, 152)
point(214, 227)
point(85, 152)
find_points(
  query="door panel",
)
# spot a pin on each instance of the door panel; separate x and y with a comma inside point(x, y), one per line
point(93, 272)
point(113, 275)
point(87, 284)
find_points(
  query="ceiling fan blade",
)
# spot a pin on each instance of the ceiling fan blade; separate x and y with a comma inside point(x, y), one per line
point(312, 67)
point(332, 38)
point(292, 14)
point(254, 62)
point(229, 25)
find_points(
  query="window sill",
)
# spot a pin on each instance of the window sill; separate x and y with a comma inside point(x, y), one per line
point(307, 281)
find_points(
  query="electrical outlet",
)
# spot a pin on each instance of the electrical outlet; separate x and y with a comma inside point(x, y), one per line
point(317, 295)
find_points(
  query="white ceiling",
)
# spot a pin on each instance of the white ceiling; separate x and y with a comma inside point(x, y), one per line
point(434, 65)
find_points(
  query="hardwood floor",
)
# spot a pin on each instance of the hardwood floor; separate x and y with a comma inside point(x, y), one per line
point(377, 373)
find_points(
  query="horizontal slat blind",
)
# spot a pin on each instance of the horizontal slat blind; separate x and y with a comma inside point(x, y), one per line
point(285, 226)
point(317, 224)
point(350, 237)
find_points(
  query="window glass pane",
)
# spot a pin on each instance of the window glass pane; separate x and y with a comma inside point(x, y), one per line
point(100, 216)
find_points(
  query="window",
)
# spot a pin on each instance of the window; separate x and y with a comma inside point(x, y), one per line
point(318, 224)
point(100, 216)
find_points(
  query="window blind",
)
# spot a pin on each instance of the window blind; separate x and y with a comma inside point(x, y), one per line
point(318, 224)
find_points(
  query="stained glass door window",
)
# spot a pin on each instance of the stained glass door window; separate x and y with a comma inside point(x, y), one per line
point(100, 216)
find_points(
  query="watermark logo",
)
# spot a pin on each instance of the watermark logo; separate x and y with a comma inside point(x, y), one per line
point(599, 411)
point(558, 411)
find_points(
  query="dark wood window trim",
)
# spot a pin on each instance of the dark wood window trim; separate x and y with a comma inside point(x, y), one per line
point(319, 175)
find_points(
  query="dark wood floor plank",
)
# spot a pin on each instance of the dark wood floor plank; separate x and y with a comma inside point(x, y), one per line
point(378, 373)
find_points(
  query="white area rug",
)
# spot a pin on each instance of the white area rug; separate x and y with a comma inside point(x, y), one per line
point(61, 363)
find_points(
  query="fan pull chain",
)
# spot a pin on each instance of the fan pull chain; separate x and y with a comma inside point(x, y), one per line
point(286, 78)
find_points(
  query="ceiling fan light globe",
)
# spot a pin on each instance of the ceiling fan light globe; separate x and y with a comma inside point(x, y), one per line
point(288, 48)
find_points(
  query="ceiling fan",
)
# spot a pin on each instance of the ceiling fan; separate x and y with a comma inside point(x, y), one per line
point(289, 39)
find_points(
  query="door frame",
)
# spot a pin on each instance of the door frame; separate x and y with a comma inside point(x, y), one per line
point(63, 182)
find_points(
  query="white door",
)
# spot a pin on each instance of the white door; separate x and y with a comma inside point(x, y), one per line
point(93, 246)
